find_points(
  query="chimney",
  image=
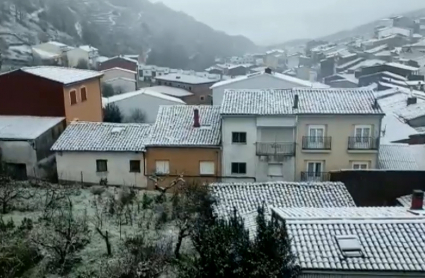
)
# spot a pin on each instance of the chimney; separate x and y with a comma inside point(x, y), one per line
point(411, 100)
point(196, 118)
point(417, 200)
point(268, 70)
point(295, 102)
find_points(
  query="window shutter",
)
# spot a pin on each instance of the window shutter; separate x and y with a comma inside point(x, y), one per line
point(206, 168)
point(73, 97)
point(83, 93)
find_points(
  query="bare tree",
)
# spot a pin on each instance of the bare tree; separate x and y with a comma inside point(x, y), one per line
point(62, 236)
point(136, 116)
point(100, 211)
point(10, 191)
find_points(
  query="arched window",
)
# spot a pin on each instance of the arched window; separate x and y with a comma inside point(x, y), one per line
point(73, 97)
point(83, 94)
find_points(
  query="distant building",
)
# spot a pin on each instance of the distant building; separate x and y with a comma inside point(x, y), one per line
point(25, 143)
point(198, 86)
point(122, 80)
point(52, 92)
point(119, 62)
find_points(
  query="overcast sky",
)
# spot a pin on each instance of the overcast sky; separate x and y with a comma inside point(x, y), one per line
point(276, 21)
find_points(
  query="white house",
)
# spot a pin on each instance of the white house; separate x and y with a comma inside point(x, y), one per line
point(147, 100)
point(86, 53)
point(25, 143)
point(102, 153)
point(52, 50)
point(121, 79)
point(260, 80)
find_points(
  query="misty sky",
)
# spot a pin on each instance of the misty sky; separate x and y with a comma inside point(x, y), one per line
point(276, 21)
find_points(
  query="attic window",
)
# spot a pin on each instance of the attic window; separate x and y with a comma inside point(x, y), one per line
point(350, 246)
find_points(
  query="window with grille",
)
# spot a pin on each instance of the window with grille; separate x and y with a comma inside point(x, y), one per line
point(101, 165)
point(73, 97)
point(239, 137)
point(135, 166)
point(83, 92)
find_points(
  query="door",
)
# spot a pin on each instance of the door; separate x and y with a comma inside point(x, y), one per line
point(316, 137)
point(363, 138)
point(314, 171)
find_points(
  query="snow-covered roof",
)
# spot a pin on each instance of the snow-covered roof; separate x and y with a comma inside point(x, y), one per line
point(406, 201)
point(43, 54)
point(88, 48)
point(401, 157)
point(391, 243)
point(144, 91)
point(26, 127)
point(103, 137)
point(376, 49)
point(120, 69)
point(385, 32)
point(120, 78)
point(62, 75)
point(350, 63)
point(310, 101)
point(402, 66)
point(412, 111)
point(247, 197)
point(394, 129)
point(186, 78)
point(171, 91)
point(57, 43)
point(367, 63)
point(101, 59)
point(121, 57)
point(305, 213)
point(297, 82)
point(174, 126)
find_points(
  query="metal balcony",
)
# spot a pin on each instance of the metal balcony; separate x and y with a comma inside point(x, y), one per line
point(317, 143)
point(315, 176)
point(275, 148)
point(363, 143)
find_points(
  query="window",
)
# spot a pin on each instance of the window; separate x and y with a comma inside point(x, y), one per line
point(73, 97)
point(101, 165)
point(275, 170)
point(190, 88)
point(316, 135)
point(349, 245)
point(83, 94)
point(135, 166)
point(362, 133)
point(206, 168)
point(238, 168)
point(239, 137)
point(360, 165)
point(314, 170)
point(162, 167)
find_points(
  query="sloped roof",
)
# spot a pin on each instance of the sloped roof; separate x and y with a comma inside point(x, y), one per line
point(311, 101)
point(406, 201)
point(26, 127)
point(103, 137)
point(391, 243)
point(247, 197)
point(280, 76)
point(62, 75)
point(401, 157)
point(174, 126)
point(186, 78)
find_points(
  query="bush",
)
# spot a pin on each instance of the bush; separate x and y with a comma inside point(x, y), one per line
point(112, 114)
point(107, 90)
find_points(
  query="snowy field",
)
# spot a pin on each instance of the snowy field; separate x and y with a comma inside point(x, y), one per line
point(141, 215)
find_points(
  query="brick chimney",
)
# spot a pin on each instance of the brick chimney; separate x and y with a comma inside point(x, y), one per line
point(295, 102)
point(417, 200)
point(196, 118)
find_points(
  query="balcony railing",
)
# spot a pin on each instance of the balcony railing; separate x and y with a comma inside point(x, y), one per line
point(317, 143)
point(315, 176)
point(276, 148)
point(363, 143)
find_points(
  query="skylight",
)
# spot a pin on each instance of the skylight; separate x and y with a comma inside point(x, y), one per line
point(349, 245)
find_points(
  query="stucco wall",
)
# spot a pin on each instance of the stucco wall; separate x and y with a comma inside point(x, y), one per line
point(20, 152)
point(123, 85)
point(148, 104)
point(90, 110)
point(260, 82)
point(340, 128)
point(81, 166)
point(75, 55)
point(184, 161)
point(115, 73)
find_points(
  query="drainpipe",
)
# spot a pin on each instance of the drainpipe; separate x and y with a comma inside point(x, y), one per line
point(295, 146)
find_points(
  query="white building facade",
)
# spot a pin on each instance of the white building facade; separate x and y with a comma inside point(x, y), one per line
point(258, 148)
point(102, 153)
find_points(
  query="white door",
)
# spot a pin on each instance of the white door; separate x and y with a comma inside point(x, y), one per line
point(316, 137)
point(314, 171)
point(363, 138)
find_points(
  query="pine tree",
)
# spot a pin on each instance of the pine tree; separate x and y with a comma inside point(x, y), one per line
point(112, 114)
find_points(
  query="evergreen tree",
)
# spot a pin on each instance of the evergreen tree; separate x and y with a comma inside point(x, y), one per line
point(112, 114)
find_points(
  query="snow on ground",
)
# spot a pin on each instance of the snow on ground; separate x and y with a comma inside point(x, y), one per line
point(82, 202)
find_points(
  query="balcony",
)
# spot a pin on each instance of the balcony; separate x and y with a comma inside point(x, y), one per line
point(276, 148)
point(315, 176)
point(316, 143)
point(363, 143)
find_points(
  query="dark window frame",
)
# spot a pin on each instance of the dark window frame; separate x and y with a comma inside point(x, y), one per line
point(135, 166)
point(239, 138)
point(238, 168)
point(83, 89)
point(99, 165)
point(73, 97)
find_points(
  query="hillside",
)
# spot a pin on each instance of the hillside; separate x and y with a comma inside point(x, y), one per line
point(116, 27)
